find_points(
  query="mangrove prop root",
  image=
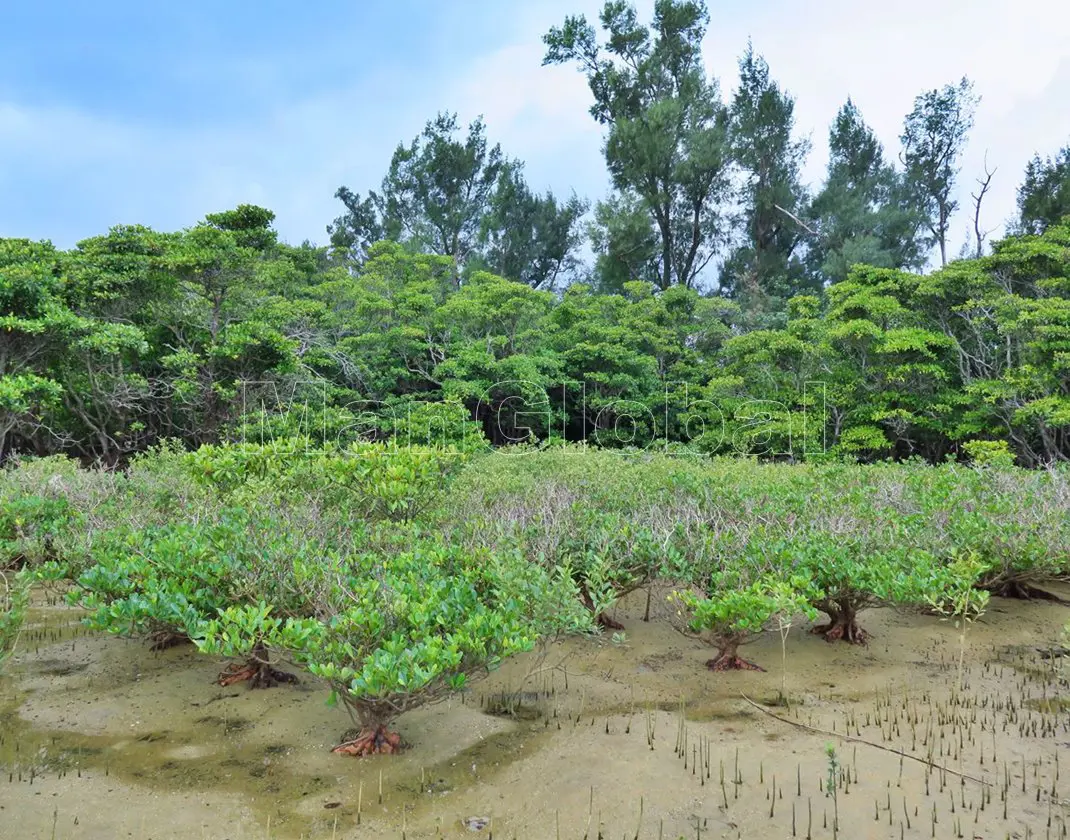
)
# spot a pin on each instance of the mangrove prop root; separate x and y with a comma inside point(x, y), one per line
point(727, 662)
point(601, 619)
point(1025, 592)
point(371, 741)
point(853, 740)
point(608, 623)
point(847, 631)
point(259, 675)
point(164, 640)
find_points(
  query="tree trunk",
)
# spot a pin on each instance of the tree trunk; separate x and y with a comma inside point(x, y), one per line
point(843, 622)
point(728, 658)
point(373, 737)
point(601, 619)
point(257, 670)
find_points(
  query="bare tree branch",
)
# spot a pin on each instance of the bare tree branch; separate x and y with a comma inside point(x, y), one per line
point(797, 221)
point(978, 198)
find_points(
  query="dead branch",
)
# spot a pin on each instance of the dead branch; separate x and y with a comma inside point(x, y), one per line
point(854, 740)
point(797, 220)
point(978, 198)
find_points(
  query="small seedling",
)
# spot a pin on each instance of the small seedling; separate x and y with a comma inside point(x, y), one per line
point(831, 787)
point(961, 601)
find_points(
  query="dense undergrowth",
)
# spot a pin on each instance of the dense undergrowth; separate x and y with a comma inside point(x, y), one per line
point(397, 574)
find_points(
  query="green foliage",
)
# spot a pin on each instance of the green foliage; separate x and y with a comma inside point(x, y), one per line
point(901, 364)
point(28, 526)
point(989, 453)
point(530, 238)
point(725, 311)
point(1017, 527)
point(302, 432)
point(321, 425)
point(625, 244)
point(462, 199)
point(962, 600)
point(438, 188)
point(862, 536)
point(832, 786)
point(14, 600)
point(372, 481)
point(397, 574)
point(1044, 196)
point(250, 224)
point(391, 631)
point(312, 553)
point(862, 213)
point(273, 512)
point(732, 612)
point(168, 580)
point(436, 424)
point(48, 512)
point(596, 517)
point(136, 337)
point(35, 325)
point(864, 568)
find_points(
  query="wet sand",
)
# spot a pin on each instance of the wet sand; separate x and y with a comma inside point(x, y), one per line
point(628, 737)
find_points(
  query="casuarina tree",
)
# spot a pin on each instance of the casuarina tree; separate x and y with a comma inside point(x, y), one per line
point(666, 143)
point(934, 136)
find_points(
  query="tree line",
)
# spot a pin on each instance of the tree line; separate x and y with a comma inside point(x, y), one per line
point(727, 306)
point(705, 193)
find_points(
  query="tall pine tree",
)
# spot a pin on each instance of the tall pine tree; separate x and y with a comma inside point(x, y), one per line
point(862, 213)
point(1044, 196)
point(434, 196)
point(459, 197)
point(765, 269)
point(666, 144)
point(934, 136)
point(530, 238)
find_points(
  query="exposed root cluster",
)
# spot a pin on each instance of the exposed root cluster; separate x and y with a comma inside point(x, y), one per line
point(258, 674)
point(847, 631)
point(371, 741)
point(731, 662)
point(1023, 591)
point(843, 623)
point(165, 639)
point(603, 620)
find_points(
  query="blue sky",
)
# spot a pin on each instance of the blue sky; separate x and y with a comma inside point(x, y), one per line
point(120, 112)
point(225, 62)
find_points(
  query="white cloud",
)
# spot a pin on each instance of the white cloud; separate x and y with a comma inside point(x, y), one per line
point(538, 114)
point(71, 173)
point(76, 174)
point(883, 56)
